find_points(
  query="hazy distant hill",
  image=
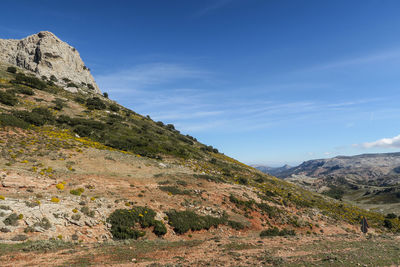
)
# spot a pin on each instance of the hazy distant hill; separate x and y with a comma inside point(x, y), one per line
point(272, 170)
point(370, 180)
point(379, 168)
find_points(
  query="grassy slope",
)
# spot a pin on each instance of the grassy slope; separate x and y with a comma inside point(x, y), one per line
point(278, 203)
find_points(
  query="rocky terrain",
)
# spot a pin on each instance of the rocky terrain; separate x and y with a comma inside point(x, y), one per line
point(86, 181)
point(47, 56)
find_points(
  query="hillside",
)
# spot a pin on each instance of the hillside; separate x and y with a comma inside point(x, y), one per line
point(84, 177)
point(369, 180)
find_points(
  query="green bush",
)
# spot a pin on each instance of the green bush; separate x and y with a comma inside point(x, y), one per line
point(59, 104)
point(235, 225)
point(276, 232)
point(77, 192)
point(85, 210)
point(53, 78)
point(12, 69)
point(23, 90)
point(174, 190)
point(11, 120)
point(29, 117)
point(30, 81)
point(79, 100)
point(183, 221)
point(71, 84)
point(11, 220)
point(388, 223)
point(38, 116)
point(95, 103)
point(105, 94)
point(391, 216)
point(114, 108)
point(8, 98)
point(124, 223)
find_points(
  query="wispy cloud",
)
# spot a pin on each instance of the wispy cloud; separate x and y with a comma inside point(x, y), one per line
point(150, 74)
point(393, 142)
point(216, 4)
point(156, 89)
point(375, 57)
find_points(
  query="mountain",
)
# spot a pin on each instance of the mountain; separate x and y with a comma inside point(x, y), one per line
point(47, 56)
point(370, 180)
point(272, 170)
point(98, 184)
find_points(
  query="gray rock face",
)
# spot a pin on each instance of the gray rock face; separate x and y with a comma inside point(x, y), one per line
point(46, 55)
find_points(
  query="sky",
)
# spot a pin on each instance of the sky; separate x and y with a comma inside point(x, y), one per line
point(264, 81)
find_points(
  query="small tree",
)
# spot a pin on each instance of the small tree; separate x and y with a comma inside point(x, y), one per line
point(105, 94)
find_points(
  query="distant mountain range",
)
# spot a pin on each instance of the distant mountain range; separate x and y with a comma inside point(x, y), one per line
point(382, 169)
point(370, 180)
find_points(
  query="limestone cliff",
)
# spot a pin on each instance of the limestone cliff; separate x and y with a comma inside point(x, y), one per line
point(46, 55)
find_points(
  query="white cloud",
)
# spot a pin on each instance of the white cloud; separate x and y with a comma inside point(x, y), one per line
point(146, 75)
point(393, 142)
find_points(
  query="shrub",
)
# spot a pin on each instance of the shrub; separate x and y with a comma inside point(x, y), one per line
point(391, 216)
point(19, 238)
point(77, 192)
point(60, 186)
point(105, 94)
point(114, 108)
point(59, 104)
point(183, 221)
point(79, 100)
point(29, 81)
point(38, 116)
point(91, 87)
point(243, 181)
point(45, 245)
point(388, 223)
point(85, 210)
point(44, 223)
point(71, 84)
point(124, 223)
point(12, 69)
point(276, 232)
point(5, 230)
point(55, 200)
point(23, 90)
point(235, 225)
point(95, 103)
point(8, 98)
point(11, 120)
point(53, 78)
point(11, 220)
point(174, 190)
point(76, 217)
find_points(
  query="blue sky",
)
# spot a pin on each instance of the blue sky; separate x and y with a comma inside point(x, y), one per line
point(268, 82)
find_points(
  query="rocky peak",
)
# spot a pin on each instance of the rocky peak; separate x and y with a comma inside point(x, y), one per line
point(46, 55)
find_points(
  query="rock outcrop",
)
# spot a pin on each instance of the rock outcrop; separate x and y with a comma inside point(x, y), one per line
point(46, 55)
